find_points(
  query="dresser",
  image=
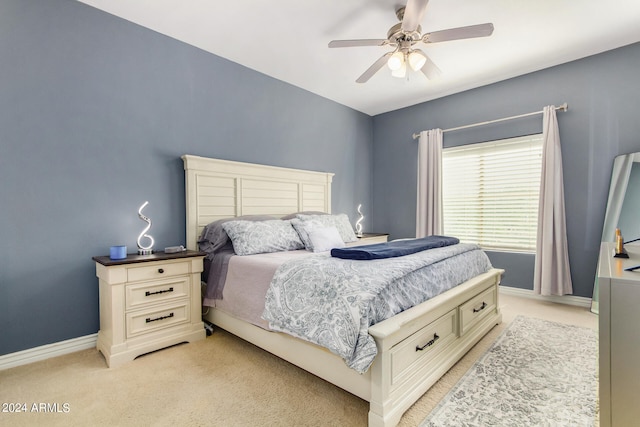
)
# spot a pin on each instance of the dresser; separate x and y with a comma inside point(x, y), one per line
point(619, 329)
point(148, 302)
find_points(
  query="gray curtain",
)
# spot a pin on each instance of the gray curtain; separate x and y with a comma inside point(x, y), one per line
point(429, 198)
point(552, 275)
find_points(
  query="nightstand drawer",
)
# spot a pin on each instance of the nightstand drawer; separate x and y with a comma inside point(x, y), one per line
point(141, 322)
point(157, 271)
point(157, 291)
point(477, 308)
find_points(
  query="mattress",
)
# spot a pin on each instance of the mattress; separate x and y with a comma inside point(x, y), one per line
point(247, 282)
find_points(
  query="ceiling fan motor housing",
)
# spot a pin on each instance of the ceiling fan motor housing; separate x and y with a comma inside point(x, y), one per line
point(396, 34)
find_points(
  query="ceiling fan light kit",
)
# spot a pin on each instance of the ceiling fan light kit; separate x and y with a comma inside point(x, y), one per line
point(404, 35)
point(395, 61)
point(400, 72)
point(398, 61)
point(416, 60)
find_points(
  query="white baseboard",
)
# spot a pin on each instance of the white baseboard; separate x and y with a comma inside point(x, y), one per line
point(565, 299)
point(35, 354)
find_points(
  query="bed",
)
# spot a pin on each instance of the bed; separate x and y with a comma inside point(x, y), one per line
point(414, 347)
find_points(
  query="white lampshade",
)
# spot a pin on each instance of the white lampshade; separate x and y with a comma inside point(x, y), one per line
point(400, 72)
point(396, 61)
point(416, 60)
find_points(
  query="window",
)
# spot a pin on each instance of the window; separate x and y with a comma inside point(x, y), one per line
point(490, 192)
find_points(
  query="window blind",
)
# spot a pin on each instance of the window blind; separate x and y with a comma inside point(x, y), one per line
point(491, 191)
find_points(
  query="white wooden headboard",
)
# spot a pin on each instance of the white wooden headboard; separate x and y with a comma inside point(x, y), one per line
point(217, 189)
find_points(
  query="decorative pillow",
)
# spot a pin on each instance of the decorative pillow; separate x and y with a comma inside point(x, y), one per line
point(340, 221)
point(213, 237)
point(262, 236)
point(324, 239)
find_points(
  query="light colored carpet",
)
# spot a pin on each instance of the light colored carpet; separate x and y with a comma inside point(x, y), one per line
point(220, 381)
point(536, 373)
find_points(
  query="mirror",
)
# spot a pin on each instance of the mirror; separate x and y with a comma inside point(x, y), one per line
point(629, 221)
point(622, 206)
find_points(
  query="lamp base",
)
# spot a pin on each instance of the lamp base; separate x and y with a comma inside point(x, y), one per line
point(145, 251)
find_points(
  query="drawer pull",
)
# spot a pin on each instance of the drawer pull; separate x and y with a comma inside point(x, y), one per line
point(482, 307)
point(149, 320)
point(146, 294)
point(161, 270)
point(428, 344)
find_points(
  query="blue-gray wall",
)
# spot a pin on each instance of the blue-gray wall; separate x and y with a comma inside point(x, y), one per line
point(95, 113)
point(603, 121)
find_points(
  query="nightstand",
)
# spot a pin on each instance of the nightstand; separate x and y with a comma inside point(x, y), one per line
point(370, 239)
point(148, 302)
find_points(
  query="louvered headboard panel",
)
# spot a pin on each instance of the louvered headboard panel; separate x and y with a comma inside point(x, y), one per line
point(217, 189)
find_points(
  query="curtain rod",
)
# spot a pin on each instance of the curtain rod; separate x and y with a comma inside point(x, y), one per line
point(563, 107)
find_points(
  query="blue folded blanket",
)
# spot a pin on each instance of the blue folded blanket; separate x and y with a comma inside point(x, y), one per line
point(393, 249)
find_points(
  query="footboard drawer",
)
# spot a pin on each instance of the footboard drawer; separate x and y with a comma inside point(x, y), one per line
point(417, 350)
point(477, 308)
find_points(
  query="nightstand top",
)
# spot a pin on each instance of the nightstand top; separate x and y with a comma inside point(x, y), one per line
point(156, 256)
point(365, 235)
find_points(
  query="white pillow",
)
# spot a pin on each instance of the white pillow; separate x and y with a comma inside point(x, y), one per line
point(324, 239)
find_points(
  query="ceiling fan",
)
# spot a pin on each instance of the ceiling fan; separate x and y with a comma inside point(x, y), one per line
point(404, 36)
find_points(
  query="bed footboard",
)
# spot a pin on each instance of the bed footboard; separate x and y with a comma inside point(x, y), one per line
point(420, 345)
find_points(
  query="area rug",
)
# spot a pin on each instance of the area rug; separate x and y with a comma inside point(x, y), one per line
point(537, 373)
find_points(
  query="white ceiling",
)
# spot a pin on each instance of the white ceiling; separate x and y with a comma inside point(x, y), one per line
point(287, 39)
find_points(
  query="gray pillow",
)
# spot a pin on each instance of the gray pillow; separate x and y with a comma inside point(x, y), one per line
point(304, 229)
point(339, 221)
point(213, 237)
point(256, 237)
point(295, 215)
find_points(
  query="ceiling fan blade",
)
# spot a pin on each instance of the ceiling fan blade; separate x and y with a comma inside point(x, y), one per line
point(355, 43)
point(480, 30)
point(413, 13)
point(430, 69)
point(374, 68)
